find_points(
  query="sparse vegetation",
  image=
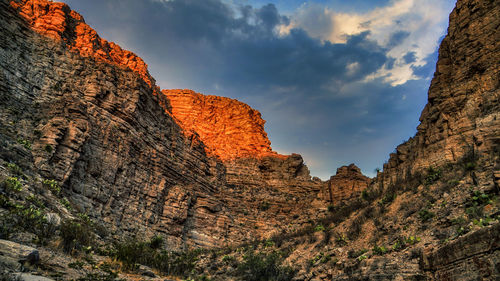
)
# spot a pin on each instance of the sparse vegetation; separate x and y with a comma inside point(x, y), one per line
point(264, 206)
point(25, 143)
point(356, 253)
point(53, 186)
point(331, 208)
point(319, 228)
point(15, 170)
point(263, 267)
point(379, 250)
point(13, 183)
point(48, 148)
point(77, 234)
point(133, 252)
point(64, 201)
point(433, 175)
point(425, 215)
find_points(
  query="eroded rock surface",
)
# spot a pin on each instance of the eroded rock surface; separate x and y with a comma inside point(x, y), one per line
point(346, 184)
point(230, 129)
point(98, 129)
point(462, 116)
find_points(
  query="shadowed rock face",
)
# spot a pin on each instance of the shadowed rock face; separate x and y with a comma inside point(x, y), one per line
point(462, 116)
point(99, 130)
point(99, 127)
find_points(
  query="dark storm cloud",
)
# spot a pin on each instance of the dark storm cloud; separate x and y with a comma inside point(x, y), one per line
point(242, 45)
point(313, 94)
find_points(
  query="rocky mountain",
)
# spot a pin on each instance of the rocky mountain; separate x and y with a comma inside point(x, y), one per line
point(104, 175)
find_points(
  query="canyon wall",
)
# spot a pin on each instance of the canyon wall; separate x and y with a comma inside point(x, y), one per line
point(100, 127)
point(265, 192)
point(97, 127)
point(461, 121)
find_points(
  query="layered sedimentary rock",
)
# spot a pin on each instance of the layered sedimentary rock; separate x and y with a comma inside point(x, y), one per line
point(462, 116)
point(473, 257)
point(98, 129)
point(57, 21)
point(265, 192)
point(346, 184)
point(230, 129)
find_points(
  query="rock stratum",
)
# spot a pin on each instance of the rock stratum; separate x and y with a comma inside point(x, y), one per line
point(230, 129)
point(106, 134)
point(461, 118)
point(347, 183)
point(81, 114)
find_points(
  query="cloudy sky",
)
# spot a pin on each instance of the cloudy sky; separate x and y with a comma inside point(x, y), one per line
point(338, 81)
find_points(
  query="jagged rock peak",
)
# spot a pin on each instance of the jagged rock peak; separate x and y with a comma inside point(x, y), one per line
point(351, 171)
point(57, 21)
point(346, 184)
point(229, 128)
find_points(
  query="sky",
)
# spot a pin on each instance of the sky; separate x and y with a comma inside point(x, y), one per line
point(337, 81)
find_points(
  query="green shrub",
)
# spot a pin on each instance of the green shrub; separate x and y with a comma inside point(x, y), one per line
point(25, 143)
point(388, 198)
point(268, 243)
point(482, 222)
point(432, 175)
point(77, 234)
point(354, 254)
point(341, 240)
point(411, 240)
point(53, 186)
point(13, 183)
point(379, 250)
point(331, 208)
point(398, 245)
point(64, 201)
point(156, 242)
point(319, 228)
point(264, 206)
point(35, 200)
point(425, 215)
point(362, 257)
point(470, 166)
point(263, 267)
point(48, 148)
point(32, 219)
point(228, 259)
point(133, 252)
point(16, 170)
point(479, 198)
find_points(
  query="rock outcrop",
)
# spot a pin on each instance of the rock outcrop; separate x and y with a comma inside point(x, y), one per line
point(475, 256)
point(346, 184)
point(462, 117)
point(105, 134)
point(230, 129)
point(97, 128)
point(57, 21)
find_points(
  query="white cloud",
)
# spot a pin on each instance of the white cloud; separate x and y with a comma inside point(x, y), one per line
point(422, 21)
